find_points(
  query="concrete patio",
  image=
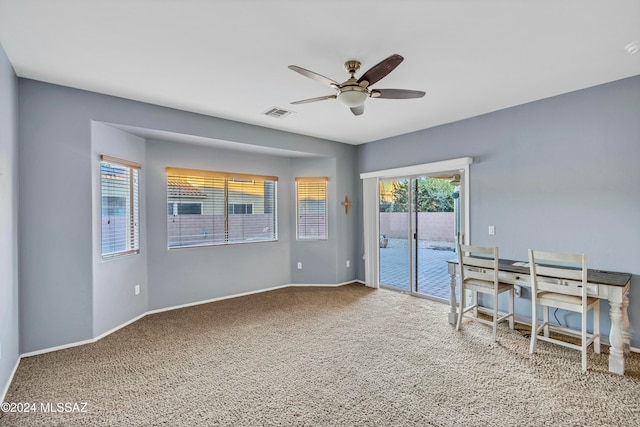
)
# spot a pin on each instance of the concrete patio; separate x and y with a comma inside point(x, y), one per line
point(433, 278)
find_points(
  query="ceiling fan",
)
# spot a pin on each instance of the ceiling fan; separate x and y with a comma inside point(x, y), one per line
point(354, 92)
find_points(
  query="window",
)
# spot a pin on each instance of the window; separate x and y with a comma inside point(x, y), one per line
point(179, 208)
point(311, 208)
point(216, 208)
point(240, 208)
point(119, 200)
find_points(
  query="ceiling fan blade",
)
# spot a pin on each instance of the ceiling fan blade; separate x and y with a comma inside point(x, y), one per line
point(380, 70)
point(315, 76)
point(320, 98)
point(357, 110)
point(396, 93)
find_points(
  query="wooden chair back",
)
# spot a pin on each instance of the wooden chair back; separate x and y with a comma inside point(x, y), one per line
point(558, 272)
point(478, 263)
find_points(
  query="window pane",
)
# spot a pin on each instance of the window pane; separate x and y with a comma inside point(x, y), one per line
point(214, 210)
point(189, 225)
point(189, 208)
point(311, 210)
point(119, 199)
point(248, 220)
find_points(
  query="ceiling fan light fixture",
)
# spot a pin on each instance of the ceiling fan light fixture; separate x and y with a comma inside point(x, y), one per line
point(352, 98)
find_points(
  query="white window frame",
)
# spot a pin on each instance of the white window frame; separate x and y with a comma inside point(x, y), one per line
point(315, 181)
point(227, 177)
point(132, 230)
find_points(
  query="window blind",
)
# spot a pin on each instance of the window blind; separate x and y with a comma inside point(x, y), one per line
point(119, 206)
point(311, 208)
point(216, 208)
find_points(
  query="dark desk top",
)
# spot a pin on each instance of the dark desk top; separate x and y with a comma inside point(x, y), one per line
point(612, 278)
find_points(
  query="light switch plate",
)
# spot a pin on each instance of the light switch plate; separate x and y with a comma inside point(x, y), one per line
point(492, 230)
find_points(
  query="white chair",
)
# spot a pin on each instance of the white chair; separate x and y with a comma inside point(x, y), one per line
point(562, 285)
point(479, 273)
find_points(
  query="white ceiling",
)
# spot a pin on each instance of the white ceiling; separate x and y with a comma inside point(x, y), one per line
point(229, 58)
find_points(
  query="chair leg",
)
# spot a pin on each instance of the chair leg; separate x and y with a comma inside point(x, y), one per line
point(596, 328)
point(584, 339)
point(461, 309)
point(534, 325)
point(545, 319)
point(495, 316)
point(475, 303)
point(511, 310)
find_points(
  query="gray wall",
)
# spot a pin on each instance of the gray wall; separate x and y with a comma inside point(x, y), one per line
point(185, 275)
point(559, 174)
point(325, 262)
point(9, 315)
point(114, 279)
point(65, 292)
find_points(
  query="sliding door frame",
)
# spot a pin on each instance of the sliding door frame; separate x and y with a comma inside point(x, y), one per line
point(371, 208)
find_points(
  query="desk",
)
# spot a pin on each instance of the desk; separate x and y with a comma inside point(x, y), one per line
point(608, 285)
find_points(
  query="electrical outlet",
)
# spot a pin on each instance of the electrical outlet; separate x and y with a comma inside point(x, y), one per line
point(348, 263)
point(299, 265)
point(137, 289)
point(517, 291)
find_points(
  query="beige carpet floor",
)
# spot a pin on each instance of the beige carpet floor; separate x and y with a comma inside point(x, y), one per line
point(347, 356)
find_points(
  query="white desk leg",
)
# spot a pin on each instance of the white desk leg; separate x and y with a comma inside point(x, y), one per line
point(452, 298)
point(625, 313)
point(616, 341)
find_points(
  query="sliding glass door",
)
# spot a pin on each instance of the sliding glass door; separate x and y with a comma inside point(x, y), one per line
point(395, 226)
point(437, 220)
point(420, 221)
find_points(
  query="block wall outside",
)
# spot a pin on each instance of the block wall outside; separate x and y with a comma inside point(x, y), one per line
point(436, 226)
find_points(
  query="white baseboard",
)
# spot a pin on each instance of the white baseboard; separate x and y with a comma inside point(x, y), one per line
point(10, 380)
point(192, 304)
point(127, 323)
point(77, 343)
point(161, 310)
point(325, 285)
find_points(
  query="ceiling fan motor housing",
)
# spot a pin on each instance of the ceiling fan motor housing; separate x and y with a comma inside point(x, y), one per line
point(351, 93)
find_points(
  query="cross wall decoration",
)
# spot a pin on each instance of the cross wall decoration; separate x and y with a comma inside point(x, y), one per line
point(347, 203)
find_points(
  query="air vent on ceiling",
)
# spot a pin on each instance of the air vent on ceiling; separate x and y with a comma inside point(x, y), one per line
point(278, 113)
